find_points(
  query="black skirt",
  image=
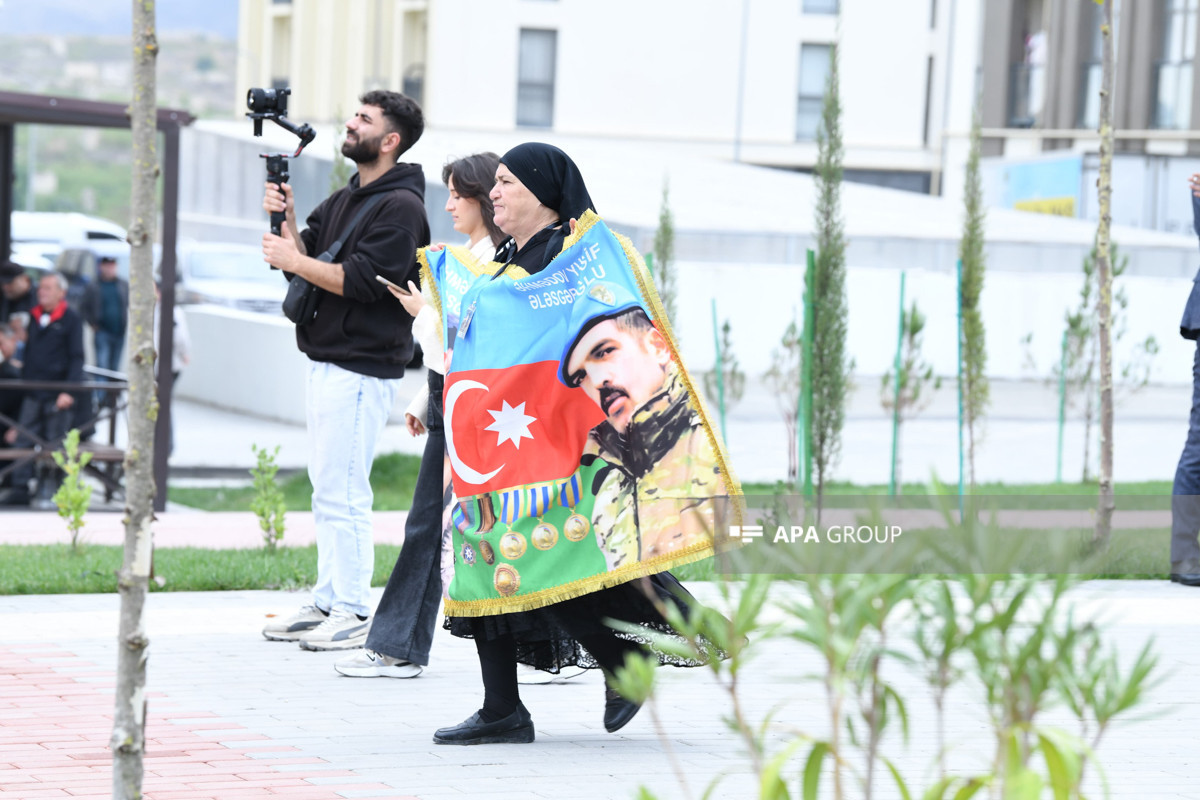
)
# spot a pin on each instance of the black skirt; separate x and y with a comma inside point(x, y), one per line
point(541, 634)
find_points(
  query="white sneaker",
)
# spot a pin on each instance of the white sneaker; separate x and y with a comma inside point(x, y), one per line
point(528, 676)
point(289, 629)
point(369, 664)
point(341, 630)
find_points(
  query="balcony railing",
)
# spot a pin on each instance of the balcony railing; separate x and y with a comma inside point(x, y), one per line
point(1173, 95)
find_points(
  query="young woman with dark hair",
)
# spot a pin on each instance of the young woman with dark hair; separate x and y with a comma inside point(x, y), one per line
point(402, 631)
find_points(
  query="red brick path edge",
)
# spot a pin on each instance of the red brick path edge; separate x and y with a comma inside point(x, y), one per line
point(54, 743)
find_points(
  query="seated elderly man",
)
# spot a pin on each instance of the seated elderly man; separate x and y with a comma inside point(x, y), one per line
point(53, 352)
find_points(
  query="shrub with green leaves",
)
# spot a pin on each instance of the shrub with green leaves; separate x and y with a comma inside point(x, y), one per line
point(73, 495)
point(1015, 634)
point(268, 503)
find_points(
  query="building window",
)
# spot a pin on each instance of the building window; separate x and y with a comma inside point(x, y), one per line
point(535, 78)
point(814, 74)
point(819, 6)
point(1173, 74)
point(413, 82)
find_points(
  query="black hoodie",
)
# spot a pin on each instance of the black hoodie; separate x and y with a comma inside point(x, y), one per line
point(365, 330)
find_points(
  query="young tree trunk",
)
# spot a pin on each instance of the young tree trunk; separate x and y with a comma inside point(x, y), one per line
point(129, 718)
point(1105, 503)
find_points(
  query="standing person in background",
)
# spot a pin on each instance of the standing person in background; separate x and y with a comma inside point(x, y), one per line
point(357, 346)
point(1185, 494)
point(16, 293)
point(106, 311)
point(401, 636)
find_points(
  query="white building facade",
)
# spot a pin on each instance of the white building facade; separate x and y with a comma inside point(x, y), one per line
point(737, 79)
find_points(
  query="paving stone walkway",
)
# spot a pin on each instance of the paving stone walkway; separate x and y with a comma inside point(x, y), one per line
point(233, 716)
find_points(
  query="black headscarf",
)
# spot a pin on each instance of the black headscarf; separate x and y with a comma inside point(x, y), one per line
point(555, 181)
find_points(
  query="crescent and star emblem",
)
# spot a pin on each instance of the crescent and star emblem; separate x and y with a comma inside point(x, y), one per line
point(510, 424)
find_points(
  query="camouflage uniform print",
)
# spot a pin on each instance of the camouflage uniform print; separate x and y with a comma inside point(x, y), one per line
point(656, 494)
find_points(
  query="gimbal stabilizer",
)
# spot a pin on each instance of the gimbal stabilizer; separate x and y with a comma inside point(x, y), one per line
point(272, 104)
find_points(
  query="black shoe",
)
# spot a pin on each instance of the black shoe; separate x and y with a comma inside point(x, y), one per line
point(617, 710)
point(516, 728)
point(1186, 578)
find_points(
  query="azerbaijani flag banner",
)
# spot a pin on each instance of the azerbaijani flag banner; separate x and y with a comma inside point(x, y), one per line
point(582, 455)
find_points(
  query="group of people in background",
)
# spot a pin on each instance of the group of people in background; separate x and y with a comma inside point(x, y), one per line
point(42, 339)
point(514, 211)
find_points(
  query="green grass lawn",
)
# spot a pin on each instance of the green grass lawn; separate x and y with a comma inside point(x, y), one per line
point(393, 478)
point(983, 489)
point(54, 569)
point(394, 475)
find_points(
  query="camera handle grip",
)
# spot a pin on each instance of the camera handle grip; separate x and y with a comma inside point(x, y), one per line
point(277, 174)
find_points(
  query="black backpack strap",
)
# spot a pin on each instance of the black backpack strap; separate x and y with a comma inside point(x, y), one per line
point(334, 249)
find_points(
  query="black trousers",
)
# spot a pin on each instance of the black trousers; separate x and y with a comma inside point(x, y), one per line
point(407, 613)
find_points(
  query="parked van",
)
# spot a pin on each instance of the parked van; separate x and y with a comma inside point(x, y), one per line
point(71, 241)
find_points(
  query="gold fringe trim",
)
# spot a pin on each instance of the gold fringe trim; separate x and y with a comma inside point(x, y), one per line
point(465, 258)
point(650, 295)
point(427, 280)
point(604, 580)
point(638, 569)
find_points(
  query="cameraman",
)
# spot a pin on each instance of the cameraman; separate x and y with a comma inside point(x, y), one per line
point(358, 345)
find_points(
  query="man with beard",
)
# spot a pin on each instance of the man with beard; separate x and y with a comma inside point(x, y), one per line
point(357, 345)
point(655, 495)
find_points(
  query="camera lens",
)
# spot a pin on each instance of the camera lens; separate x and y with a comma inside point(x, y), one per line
point(258, 99)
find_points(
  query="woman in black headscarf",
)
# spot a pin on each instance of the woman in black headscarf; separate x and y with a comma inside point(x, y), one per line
point(538, 191)
point(538, 195)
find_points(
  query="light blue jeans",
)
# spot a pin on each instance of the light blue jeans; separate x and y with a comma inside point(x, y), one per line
point(346, 415)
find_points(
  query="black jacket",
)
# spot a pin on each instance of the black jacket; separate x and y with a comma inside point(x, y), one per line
point(365, 330)
point(91, 304)
point(23, 303)
point(55, 352)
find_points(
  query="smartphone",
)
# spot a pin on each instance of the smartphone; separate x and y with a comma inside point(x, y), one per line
point(386, 282)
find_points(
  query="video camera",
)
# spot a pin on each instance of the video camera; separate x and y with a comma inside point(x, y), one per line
point(272, 104)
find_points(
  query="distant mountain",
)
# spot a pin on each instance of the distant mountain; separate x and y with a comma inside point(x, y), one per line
point(114, 17)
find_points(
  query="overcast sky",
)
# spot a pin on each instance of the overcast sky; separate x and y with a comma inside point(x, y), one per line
point(114, 17)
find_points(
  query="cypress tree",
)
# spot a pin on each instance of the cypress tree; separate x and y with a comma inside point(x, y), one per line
point(973, 370)
point(829, 379)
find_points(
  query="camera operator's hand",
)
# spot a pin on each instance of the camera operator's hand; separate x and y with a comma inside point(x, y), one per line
point(1194, 184)
point(275, 200)
point(281, 252)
